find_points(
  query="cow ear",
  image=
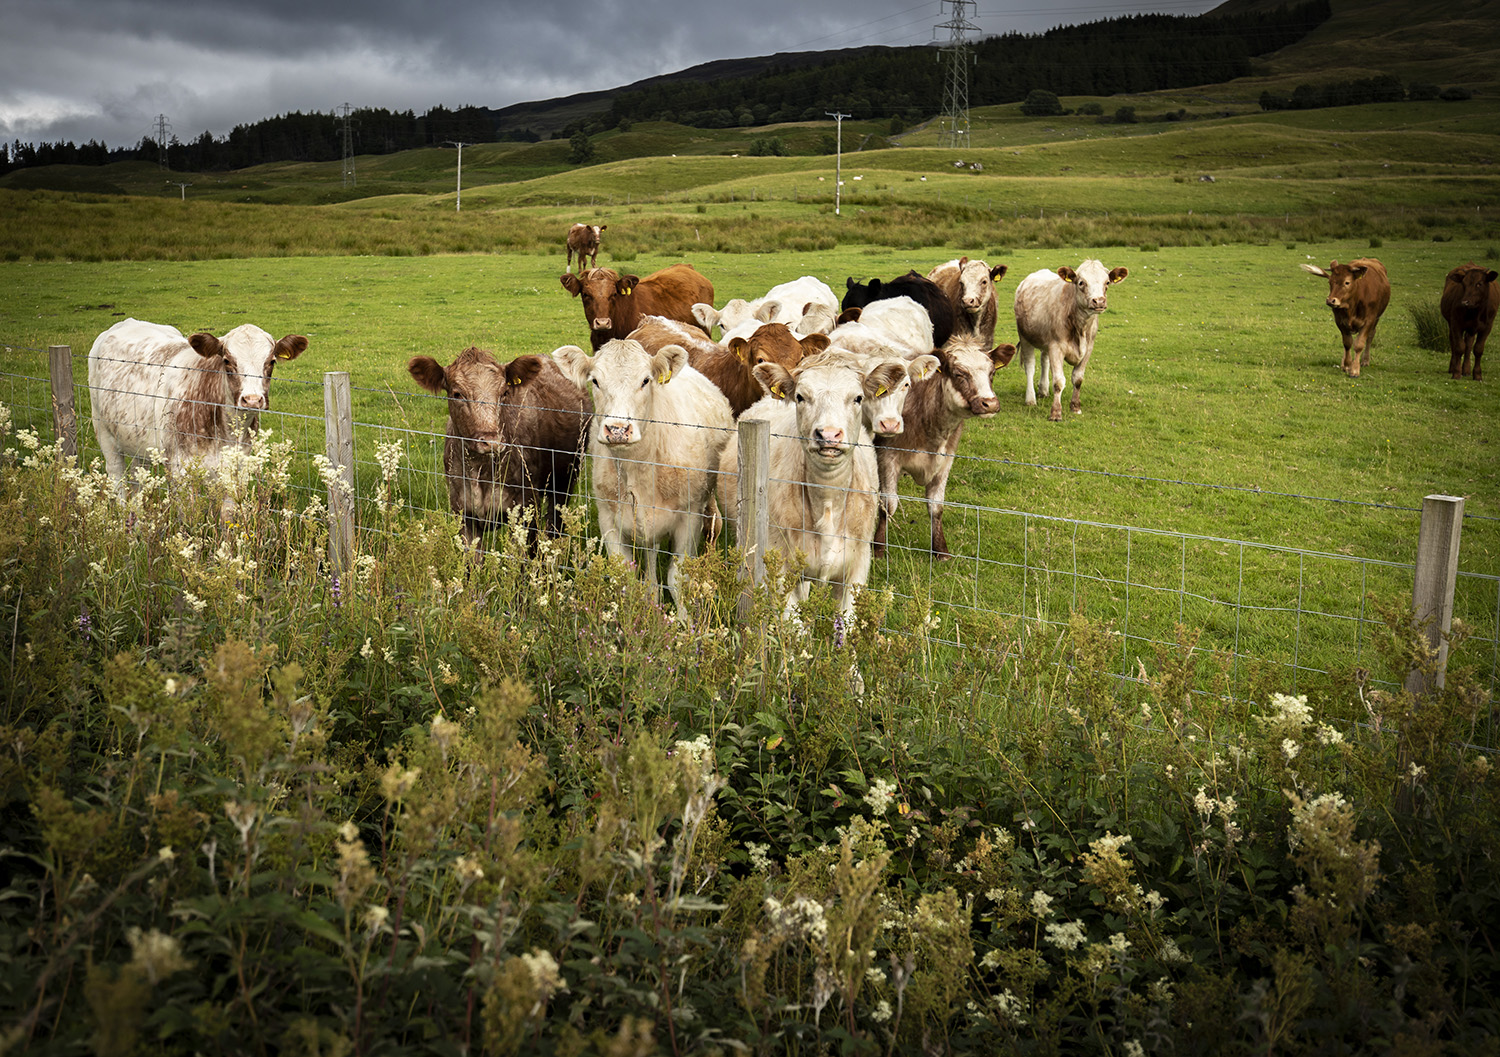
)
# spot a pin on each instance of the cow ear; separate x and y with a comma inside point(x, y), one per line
point(922, 367)
point(813, 344)
point(1358, 269)
point(1000, 355)
point(849, 315)
point(1313, 269)
point(206, 345)
point(428, 373)
point(776, 380)
point(962, 261)
point(998, 271)
point(571, 284)
point(767, 312)
point(1067, 274)
point(882, 378)
point(603, 226)
point(290, 347)
point(1118, 274)
point(706, 315)
point(522, 369)
point(1492, 275)
point(849, 283)
point(668, 361)
point(874, 287)
point(576, 365)
point(741, 349)
point(626, 284)
point(1457, 274)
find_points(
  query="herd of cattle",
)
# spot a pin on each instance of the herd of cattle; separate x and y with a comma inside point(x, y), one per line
point(857, 391)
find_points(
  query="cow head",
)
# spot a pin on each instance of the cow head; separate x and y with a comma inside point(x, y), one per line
point(598, 287)
point(829, 400)
point(976, 283)
point(817, 318)
point(249, 356)
point(1091, 283)
point(478, 388)
point(1475, 282)
point(968, 367)
point(622, 380)
point(1341, 279)
point(775, 343)
point(885, 410)
point(857, 295)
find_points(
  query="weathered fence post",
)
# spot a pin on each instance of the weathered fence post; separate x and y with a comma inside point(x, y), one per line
point(64, 417)
point(754, 517)
point(1436, 574)
point(338, 446)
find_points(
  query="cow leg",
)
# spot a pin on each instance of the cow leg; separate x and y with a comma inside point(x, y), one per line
point(1028, 363)
point(114, 462)
point(1457, 352)
point(1077, 405)
point(888, 462)
point(684, 545)
point(1479, 340)
point(937, 490)
point(1055, 383)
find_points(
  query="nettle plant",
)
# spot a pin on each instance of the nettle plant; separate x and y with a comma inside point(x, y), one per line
point(504, 801)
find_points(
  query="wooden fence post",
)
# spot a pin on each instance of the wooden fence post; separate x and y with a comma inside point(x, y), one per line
point(64, 417)
point(338, 444)
point(754, 516)
point(1436, 574)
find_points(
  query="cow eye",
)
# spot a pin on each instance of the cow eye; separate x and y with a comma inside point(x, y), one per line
point(595, 382)
point(645, 381)
point(859, 399)
point(458, 394)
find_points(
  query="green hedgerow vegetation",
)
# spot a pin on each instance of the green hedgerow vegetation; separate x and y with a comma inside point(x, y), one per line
point(504, 803)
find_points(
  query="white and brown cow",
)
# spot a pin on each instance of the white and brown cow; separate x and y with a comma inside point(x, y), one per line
point(659, 428)
point(969, 286)
point(1469, 303)
point(1058, 314)
point(934, 415)
point(583, 239)
point(822, 478)
point(515, 436)
point(152, 389)
point(1358, 293)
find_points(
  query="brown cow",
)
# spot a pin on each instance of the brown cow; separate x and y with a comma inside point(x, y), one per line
point(583, 239)
point(969, 287)
point(615, 304)
point(729, 368)
point(1470, 300)
point(1358, 292)
point(515, 436)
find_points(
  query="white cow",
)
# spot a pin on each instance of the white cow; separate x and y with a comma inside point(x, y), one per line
point(790, 303)
point(891, 326)
point(659, 428)
point(822, 476)
point(1058, 313)
point(152, 389)
point(969, 287)
point(884, 409)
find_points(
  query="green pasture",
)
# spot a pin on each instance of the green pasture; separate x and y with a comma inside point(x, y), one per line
point(1219, 438)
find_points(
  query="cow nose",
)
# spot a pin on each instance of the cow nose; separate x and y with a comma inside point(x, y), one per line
point(984, 405)
point(485, 445)
point(1099, 304)
point(829, 437)
point(253, 401)
point(616, 432)
point(889, 427)
point(601, 323)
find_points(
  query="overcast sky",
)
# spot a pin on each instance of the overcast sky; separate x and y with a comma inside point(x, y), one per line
point(106, 69)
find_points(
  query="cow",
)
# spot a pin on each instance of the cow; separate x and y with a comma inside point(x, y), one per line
point(919, 288)
point(614, 304)
point(659, 428)
point(1057, 313)
point(515, 436)
point(884, 410)
point(895, 325)
point(1469, 302)
point(583, 239)
point(789, 303)
point(969, 287)
point(1358, 292)
point(822, 474)
point(936, 409)
point(729, 368)
point(152, 389)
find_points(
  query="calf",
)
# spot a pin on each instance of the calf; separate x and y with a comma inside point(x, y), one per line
point(515, 437)
point(1469, 302)
point(884, 409)
point(787, 303)
point(659, 428)
point(583, 239)
point(893, 326)
point(614, 304)
point(1058, 313)
point(1358, 292)
point(822, 476)
point(153, 389)
point(728, 368)
point(919, 288)
point(936, 409)
point(969, 287)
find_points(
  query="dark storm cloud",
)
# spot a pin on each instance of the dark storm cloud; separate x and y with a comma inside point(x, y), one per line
point(82, 69)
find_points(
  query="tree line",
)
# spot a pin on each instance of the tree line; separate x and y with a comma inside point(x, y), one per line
point(1133, 53)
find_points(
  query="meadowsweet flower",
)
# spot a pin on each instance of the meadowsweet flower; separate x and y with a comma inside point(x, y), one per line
point(1067, 936)
point(367, 650)
point(1041, 905)
point(882, 1012)
point(1010, 1007)
point(467, 869)
point(1290, 749)
point(397, 781)
point(155, 953)
point(544, 973)
point(1327, 735)
point(1133, 1048)
point(1118, 943)
point(375, 917)
point(759, 859)
point(880, 796)
point(1291, 710)
point(1172, 954)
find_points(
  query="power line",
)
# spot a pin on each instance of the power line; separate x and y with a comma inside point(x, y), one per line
point(163, 129)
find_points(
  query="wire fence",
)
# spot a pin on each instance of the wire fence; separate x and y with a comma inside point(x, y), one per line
point(1280, 617)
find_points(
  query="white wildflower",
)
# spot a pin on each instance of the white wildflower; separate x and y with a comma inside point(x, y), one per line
point(544, 973)
point(1041, 905)
point(882, 1012)
point(375, 917)
point(880, 796)
point(1290, 749)
point(759, 857)
point(1067, 936)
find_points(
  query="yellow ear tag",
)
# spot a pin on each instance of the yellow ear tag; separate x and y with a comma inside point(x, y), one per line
point(629, 290)
point(881, 391)
point(283, 356)
point(515, 381)
point(664, 377)
point(776, 392)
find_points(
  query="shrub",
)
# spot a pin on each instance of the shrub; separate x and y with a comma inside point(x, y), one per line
point(1431, 327)
point(1041, 103)
point(1125, 115)
point(1455, 94)
point(580, 148)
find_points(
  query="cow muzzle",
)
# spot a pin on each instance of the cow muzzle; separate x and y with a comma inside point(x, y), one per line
point(602, 323)
point(890, 427)
point(828, 442)
point(618, 432)
point(253, 401)
point(984, 406)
